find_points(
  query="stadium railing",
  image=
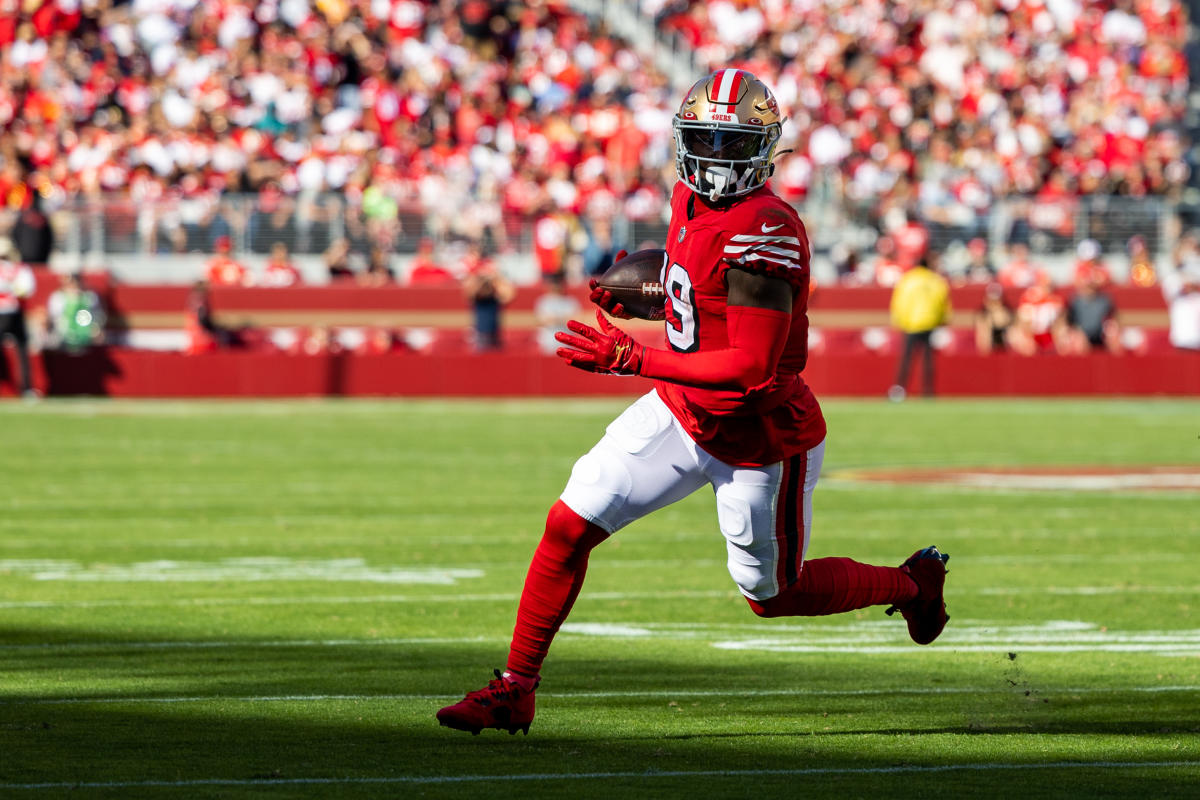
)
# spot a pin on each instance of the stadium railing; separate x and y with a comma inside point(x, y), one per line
point(166, 241)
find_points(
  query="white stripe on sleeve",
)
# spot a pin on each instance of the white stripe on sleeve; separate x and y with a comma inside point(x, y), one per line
point(762, 248)
point(753, 237)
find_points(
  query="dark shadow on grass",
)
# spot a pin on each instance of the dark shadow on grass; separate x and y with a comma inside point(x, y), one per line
point(380, 736)
point(1119, 728)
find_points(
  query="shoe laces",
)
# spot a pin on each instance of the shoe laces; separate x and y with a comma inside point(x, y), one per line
point(497, 690)
point(927, 554)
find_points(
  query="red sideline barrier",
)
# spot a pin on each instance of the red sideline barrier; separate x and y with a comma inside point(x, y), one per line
point(140, 373)
point(135, 373)
point(1175, 373)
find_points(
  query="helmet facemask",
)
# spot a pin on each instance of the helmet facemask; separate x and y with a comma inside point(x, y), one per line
point(723, 160)
point(726, 132)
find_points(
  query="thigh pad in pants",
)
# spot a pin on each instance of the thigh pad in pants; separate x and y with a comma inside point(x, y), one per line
point(643, 463)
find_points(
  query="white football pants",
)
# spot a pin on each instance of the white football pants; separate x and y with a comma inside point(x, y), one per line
point(646, 461)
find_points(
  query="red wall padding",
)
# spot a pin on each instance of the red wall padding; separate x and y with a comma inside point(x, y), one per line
point(846, 369)
point(133, 373)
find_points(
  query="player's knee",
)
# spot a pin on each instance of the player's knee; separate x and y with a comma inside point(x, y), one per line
point(570, 534)
point(758, 585)
point(766, 608)
point(564, 525)
point(750, 573)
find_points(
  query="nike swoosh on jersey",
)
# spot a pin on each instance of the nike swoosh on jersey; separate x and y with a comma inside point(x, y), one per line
point(765, 229)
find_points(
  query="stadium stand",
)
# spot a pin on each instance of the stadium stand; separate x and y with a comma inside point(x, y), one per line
point(471, 119)
point(152, 131)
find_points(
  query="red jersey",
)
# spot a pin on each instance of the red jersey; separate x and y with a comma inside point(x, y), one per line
point(759, 233)
point(224, 271)
point(1040, 308)
point(16, 284)
point(281, 274)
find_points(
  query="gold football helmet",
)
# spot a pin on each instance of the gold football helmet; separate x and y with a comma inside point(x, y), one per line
point(726, 132)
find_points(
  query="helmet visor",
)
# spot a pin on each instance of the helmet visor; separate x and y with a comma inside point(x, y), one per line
point(724, 145)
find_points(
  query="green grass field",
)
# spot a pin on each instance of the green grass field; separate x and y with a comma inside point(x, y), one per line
point(272, 599)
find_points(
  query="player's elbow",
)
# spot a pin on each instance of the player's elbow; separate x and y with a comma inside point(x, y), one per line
point(750, 372)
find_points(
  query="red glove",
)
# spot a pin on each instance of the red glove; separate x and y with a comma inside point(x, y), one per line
point(604, 298)
point(608, 349)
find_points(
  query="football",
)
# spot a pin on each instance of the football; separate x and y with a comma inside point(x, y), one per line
point(636, 283)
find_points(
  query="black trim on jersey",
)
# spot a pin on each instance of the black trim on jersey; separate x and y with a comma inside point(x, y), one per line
point(791, 501)
point(691, 206)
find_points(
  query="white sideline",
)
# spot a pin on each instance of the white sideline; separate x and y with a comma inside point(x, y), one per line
point(654, 693)
point(578, 776)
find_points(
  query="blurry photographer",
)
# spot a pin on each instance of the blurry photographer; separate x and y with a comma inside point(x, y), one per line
point(488, 291)
point(74, 316)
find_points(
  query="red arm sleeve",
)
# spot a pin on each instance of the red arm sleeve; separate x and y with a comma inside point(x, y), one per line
point(757, 337)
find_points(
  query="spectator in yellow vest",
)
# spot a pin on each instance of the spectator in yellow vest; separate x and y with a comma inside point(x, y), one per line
point(920, 304)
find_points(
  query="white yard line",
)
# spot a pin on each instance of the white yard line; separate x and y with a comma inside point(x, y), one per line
point(592, 776)
point(242, 569)
point(875, 636)
point(665, 694)
point(513, 595)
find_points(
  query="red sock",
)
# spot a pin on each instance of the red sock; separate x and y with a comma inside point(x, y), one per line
point(834, 585)
point(554, 580)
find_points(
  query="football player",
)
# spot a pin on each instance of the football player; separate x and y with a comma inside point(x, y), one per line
point(729, 409)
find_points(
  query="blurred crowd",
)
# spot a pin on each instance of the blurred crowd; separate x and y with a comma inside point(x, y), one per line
point(475, 119)
point(945, 105)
